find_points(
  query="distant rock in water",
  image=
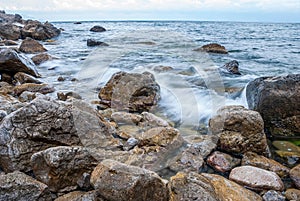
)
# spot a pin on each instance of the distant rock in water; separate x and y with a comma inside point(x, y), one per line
point(212, 48)
point(40, 58)
point(30, 45)
point(277, 99)
point(93, 43)
point(232, 67)
point(77, 23)
point(97, 29)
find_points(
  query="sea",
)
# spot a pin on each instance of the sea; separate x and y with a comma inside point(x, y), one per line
point(193, 84)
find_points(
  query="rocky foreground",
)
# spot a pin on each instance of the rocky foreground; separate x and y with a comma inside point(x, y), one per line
point(65, 149)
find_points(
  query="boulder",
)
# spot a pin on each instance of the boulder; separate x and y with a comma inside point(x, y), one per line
point(232, 67)
point(11, 62)
point(30, 45)
point(295, 176)
point(240, 130)
point(9, 42)
point(256, 178)
point(41, 58)
point(228, 190)
point(38, 31)
point(22, 78)
point(97, 29)
point(9, 32)
point(213, 48)
point(222, 162)
point(277, 99)
point(93, 43)
point(32, 87)
point(134, 92)
point(292, 194)
point(19, 186)
point(118, 181)
point(259, 161)
point(62, 168)
point(10, 18)
point(80, 196)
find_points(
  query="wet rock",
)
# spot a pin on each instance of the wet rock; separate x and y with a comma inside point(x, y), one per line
point(9, 103)
point(30, 45)
point(259, 161)
point(10, 31)
point(61, 79)
point(240, 130)
point(9, 42)
point(222, 162)
point(228, 190)
point(80, 196)
point(61, 168)
point(122, 118)
point(93, 43)
point(130, 143)
point(203, 144)
point(41, 58)
point(38, 31)
point(77, 23)
point(64, 96)
point(256, 178)
point(130, 91)
point(232, 67)
point(27, 96)
point(97, 29)
point(32, 87)
point(191, 186)
point(295, 175)
point(11, 62)
point(288, 151)
point(150, 120)
point(19, 186)
point(6, 78)
point(163, 69)
point(117, 181)
point(22, 78)
point(292, 194)
point(277, 99)
point(213, 48)
point(273, 196)
point(10, 18)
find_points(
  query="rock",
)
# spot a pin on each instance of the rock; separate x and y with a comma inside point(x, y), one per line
point(61, 168)
point(293, 194)
point(23, 78)
point(27, 96)
point(222, 162)
point(277, 99)
point(160, 69)
point(9, 42)
point(130, 91)
point(93, 43)
point(295, 175)
point(213, 48)
point(273, 196)
point(61, 79)
point(9, 103)
point(228, 190)
point(64, 96)
point(2, 114)
point(256, 178)
point(11, 62)
point(19, 186)
point(9, 32)
point(77, 23)
point(122, 118)
point(259, 161)
point(191, 186)
point(41, 58)
point(30, 45)
point(97, 29)
point(80, 196)
point(202, 144)
point(117, 181)
point(149, 120)
point(232, 67)
point(288, 151)
point(240, 130)
point(32, 87)
point(10, 18)
point(6, 78)
point(38, 31)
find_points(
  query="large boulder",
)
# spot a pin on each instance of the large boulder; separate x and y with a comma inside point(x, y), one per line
point(10, 18)
point(30, 45)
point(118, 181)
point(213, 48)
point(19, 186)
point(130, 91)
point(11, 62)
point(277, 99)
point(36, 30)
point(10, 31)
point(240, 130)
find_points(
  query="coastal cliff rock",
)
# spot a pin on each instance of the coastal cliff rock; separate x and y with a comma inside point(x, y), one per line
point(133, 92)
point(277, 99)
point(212, 48)
point(30, 45)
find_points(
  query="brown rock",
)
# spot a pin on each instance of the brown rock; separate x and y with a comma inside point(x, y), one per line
point(9, 42)
point(122, 118)
point(228, 190)
point(117, 181)
point(32, 87)
point(256, 178)
point(19, 186)
point(30, 45)
point(38, 31)
point(22, 78)
point(256, 160)
point(9, 31)
point(41, 58)
point(295, 175)
point(240, 130)
point(80, 196)
point(213, 48)
point(130, 91)
point(292, 194)
point(150, 120)
point(222, 162)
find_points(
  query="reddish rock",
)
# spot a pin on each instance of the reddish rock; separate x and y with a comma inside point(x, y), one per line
point(222, 162)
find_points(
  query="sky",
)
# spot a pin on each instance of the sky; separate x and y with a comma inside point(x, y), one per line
point(198, 10)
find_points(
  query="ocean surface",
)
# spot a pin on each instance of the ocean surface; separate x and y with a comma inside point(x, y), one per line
point(195, 87)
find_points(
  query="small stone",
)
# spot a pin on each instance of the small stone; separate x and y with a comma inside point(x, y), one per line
point(130, 143)
point(273, 196)
point(222, 162)
point(295, 175)
point(61, 79)
point(293, 194)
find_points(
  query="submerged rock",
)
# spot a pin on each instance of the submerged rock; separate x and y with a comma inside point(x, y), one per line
point(232, 67)
point(213, 48)
point(93, 43)
point(41, 58)
point(30, 45)
point(277, 99)
point(38, 31)
point(97, 29)
point(19, 186)
point(118, 181)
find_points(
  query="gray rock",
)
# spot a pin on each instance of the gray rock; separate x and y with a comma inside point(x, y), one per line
point(273, 196)
point(97, 29)
point(232, 67)
point(10, 31)
point(93, 43)
point(38, 31)
point(22, 78)
point(30, 45)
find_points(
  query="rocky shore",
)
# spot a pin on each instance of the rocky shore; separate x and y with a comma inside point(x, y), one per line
point(115, 149)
